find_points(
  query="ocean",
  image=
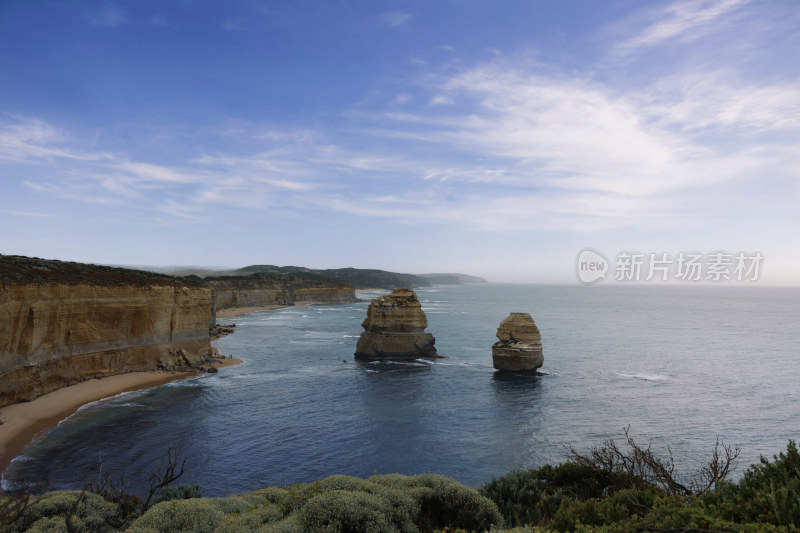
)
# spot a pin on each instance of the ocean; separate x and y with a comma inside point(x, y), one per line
point(680, 366)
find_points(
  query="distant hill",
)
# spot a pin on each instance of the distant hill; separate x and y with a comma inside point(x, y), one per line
point(360, 278)
point(451, 279)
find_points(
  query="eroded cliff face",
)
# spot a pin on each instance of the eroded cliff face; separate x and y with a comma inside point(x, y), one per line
point(62, 323)
point(67, 323)
point(277, 289)
point(519, 348)
point(395, 329)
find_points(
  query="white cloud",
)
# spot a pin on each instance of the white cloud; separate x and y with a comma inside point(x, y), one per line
point(514, 150)
point(698, 101)
point(401, 98)
point(154, 173)
point(24, 139)
point(441, 100)
point(683, 21)
point(34, 214)
point(82, 191)
point(396, 18)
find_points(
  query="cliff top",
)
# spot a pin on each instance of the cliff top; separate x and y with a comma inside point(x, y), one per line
point(275, 279)
point(17, 268)
point(360, 278)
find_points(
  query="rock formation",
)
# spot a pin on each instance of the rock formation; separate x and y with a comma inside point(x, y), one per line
point(520, 346)
point(395, 329)
point(62, 323)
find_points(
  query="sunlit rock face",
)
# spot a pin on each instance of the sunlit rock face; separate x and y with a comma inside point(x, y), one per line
point(520, 346)
point(395, 329)
point(62, 323)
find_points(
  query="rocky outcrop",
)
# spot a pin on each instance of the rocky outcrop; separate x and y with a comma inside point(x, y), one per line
point(395, 328)
point(520, 346)
point(62, 323)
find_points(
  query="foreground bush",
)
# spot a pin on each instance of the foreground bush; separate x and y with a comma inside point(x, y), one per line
point(583, 497)
point(534, 496)
point(85, 512)
point(567, 497)
point(391, 503)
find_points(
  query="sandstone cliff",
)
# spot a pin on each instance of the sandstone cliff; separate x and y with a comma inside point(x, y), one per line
point(61, 323)
point(395, 328)
point(520, 346)
point(273, 288)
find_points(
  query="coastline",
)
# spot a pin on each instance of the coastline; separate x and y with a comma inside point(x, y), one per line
point(232, 312)
point(23, 421)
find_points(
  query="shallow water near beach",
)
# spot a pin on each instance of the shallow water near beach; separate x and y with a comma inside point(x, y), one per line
point(680, 365)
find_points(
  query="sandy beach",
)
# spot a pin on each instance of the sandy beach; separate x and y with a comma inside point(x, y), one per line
point(23, 421)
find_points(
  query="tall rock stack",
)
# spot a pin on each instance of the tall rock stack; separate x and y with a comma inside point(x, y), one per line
point(395, 329)
point(520, 346)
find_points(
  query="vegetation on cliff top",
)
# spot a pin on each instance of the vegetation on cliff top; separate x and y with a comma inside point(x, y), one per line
point(610, 489)
point(360, 278)
point(20, 269)
point(274, 279)
point(17, 268)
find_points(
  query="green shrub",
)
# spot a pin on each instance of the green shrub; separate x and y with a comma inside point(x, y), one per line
point(179, 492)
point(268, 495)
point(343, 510)
point(534, 496)
point(195, 515)
point(290, 524)
point(87, 511)
point(445, 502)
point(769, 492)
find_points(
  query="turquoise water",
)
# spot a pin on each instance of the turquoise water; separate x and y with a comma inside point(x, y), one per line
point(680, 365)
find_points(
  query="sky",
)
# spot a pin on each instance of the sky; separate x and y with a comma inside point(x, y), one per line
point(495, 138)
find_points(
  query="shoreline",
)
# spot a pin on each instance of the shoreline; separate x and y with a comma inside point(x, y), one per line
point(23, 421)
point(232, 312)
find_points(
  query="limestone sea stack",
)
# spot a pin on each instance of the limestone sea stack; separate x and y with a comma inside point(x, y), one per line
point(520, 346)
point(395, 329)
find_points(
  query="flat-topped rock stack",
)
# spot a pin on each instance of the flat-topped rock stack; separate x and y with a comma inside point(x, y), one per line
point(395, 329)
point(520, 346)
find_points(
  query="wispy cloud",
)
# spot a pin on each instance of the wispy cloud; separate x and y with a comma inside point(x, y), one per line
point(498, 146)
point(34, 214)
point(182, 190)
point(396, 18)
point(683, 21)
point(109, 17)
point(84, 191)
point(33, 139)
point(696, 101)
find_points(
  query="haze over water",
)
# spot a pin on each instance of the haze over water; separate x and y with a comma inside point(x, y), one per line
point(680, 365)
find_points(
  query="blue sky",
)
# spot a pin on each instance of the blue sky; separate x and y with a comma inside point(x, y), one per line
point(493, 138)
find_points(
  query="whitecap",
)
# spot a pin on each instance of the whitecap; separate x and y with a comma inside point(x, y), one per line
point(643, 376)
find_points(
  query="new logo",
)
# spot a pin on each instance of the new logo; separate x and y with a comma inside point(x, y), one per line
point(592, 266)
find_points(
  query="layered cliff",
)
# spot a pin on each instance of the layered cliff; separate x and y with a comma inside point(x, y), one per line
point(395, 328)
point(261, 289)
point(62, 323)
point(519, 348)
